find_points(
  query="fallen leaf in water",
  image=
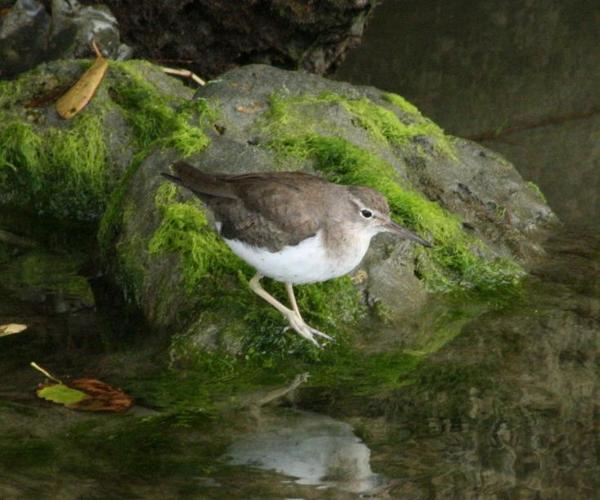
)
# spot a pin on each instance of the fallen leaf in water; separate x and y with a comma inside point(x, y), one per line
point(78, 96)
point(86, 394)
point(60, 393)
point(102, 397)
point(11, 329)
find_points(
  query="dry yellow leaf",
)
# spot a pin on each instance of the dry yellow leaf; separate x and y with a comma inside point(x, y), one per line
point(80, 94)
point(11, 329)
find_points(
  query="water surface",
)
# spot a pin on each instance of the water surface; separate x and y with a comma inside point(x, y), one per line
point(509, 408)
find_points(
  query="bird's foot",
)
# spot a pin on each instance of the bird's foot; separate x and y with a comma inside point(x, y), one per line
point(306, 331)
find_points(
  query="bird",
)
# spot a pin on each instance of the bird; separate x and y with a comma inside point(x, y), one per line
point(293, 227)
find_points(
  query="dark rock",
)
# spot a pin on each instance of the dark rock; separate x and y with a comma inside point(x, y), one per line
point(29, 34)
point(212, 36)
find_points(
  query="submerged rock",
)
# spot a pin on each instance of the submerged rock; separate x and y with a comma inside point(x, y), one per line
point(51, 280)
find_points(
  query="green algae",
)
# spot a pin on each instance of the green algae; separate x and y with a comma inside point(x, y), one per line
point(401, 103)
point(381, 123)
point(158, 119)
point(63, 169)
point(185, 229)
point(537, 191)
point(60, 171)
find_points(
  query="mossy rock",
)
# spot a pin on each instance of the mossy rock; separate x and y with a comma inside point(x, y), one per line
point(68, 169)
point(483, 219)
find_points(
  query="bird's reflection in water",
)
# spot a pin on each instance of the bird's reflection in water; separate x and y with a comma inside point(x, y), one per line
point(314, 449)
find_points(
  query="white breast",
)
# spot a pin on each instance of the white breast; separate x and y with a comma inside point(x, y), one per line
point(306, 262)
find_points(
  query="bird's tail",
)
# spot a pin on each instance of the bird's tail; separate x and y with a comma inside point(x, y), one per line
point(200, 183)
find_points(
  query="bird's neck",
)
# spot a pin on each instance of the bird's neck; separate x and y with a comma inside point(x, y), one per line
point(347, 242)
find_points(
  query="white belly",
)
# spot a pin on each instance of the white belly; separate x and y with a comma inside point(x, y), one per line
point(306, 262)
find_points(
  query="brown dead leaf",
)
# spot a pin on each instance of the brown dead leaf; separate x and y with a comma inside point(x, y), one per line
point(102, 397)
point(11, 329)
point(80, 94)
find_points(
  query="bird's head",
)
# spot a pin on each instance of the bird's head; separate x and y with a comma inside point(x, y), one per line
point(372, 214)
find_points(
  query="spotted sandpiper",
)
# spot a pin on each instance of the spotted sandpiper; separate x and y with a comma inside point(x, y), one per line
point(292, 227)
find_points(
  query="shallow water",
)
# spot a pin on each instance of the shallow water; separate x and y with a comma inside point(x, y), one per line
point(509, 408)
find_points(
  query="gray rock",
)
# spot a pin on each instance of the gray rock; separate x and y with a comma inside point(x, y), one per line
point(497, 207)
point(30, 35)
point(212, 36)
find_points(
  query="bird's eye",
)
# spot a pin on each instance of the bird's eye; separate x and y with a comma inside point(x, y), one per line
point(366, 213)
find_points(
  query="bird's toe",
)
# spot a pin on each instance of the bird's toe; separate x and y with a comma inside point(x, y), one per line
point(303, 329)
point(318, 333)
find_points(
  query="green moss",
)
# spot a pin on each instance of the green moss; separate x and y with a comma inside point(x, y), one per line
point(60, 171)
point(401, 103)
point(453, 262)
point(538, 192)
point(184, 229)
point(158, 119)
point(380, 122)
point(63, 170)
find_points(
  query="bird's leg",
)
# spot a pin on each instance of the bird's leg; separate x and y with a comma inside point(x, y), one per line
point(290, 291)
point(293, 319)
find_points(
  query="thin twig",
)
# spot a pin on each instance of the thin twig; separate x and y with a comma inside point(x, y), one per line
point(186, 73)
point(45, 372)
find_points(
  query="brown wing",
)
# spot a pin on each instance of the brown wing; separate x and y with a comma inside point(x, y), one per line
point(271, 209)
point(276, 209)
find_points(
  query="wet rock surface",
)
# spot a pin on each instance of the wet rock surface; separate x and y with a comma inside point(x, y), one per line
point(33, 32)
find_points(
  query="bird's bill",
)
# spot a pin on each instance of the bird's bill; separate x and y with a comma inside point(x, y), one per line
point(392, 227)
